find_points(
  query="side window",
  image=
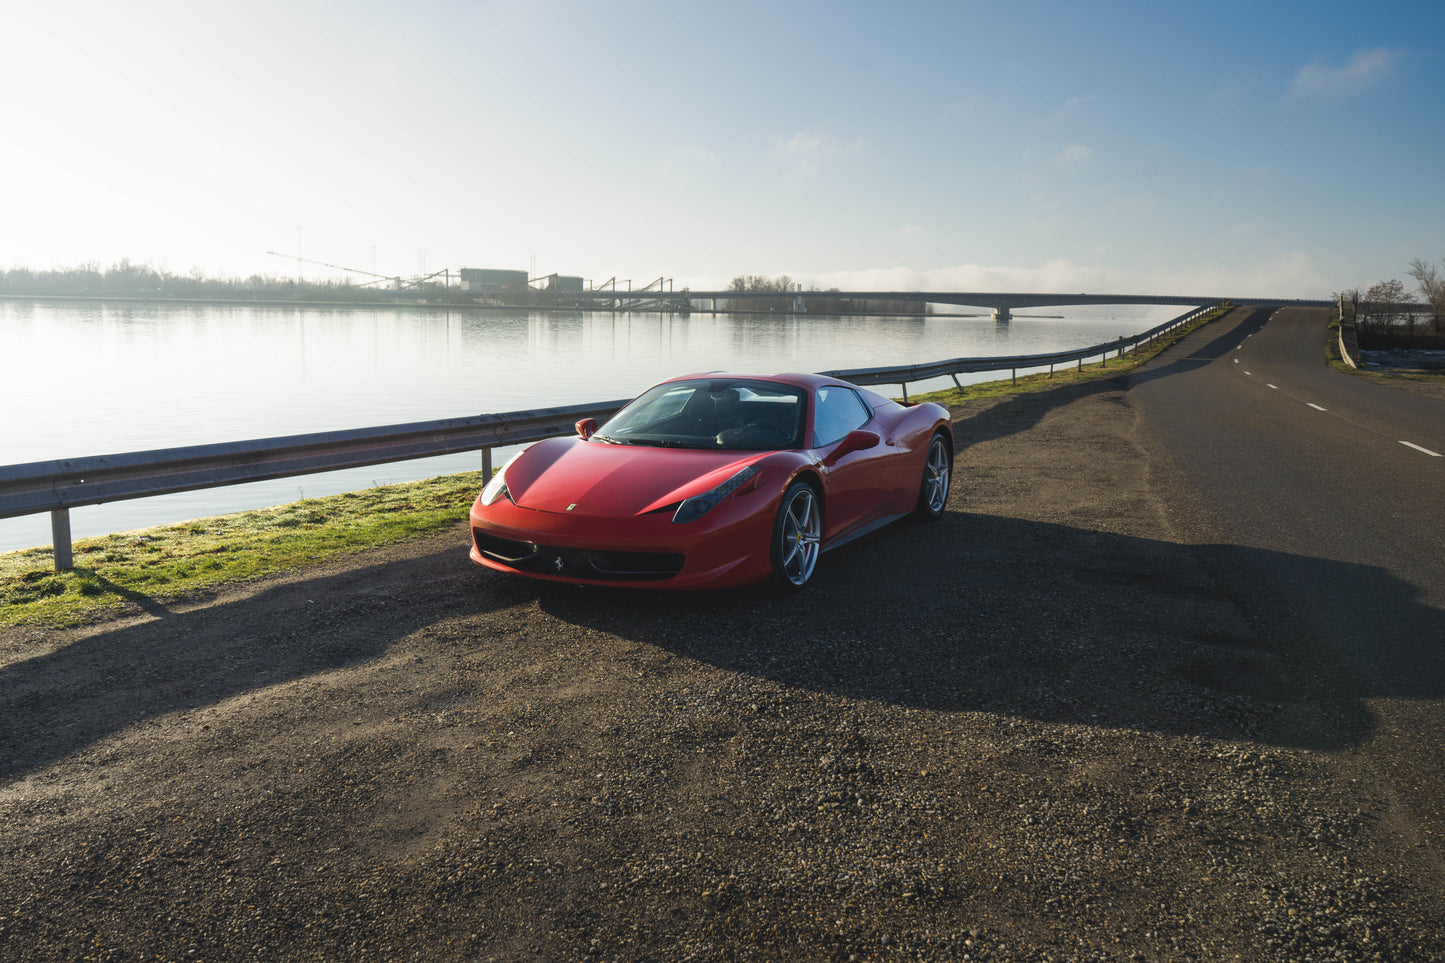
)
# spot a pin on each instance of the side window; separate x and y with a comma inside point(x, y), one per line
point(839, 411)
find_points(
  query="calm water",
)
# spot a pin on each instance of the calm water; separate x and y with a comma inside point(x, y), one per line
point(78, 380)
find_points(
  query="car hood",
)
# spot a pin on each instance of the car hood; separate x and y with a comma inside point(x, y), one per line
point(596, 479)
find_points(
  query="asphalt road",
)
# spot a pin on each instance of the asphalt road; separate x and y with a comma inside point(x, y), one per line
point(1324, 497)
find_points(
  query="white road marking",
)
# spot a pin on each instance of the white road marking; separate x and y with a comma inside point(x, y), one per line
point(1315, 406)
point(1432, 454)
point(1236, 361)
point(1249, 372)
point(1275, 387)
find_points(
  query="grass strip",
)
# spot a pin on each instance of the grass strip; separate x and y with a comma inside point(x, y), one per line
point(190, 560)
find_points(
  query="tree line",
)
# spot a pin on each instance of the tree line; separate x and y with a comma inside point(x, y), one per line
point(1383, 315)
point(816, 301)
point(125, 279)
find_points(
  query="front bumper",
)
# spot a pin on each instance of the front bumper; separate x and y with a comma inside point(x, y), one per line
point(729, 546)
point(532, 558)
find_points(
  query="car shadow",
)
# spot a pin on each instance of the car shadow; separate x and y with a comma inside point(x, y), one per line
point(1056, 624)
point(54, 704)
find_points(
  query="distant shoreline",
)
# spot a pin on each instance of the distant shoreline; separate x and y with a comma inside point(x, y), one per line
point(448, 306)
point(268, 302)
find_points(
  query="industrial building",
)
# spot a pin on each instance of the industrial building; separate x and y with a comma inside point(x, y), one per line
point(562, 284)
point(492, 282)
point(499, 283)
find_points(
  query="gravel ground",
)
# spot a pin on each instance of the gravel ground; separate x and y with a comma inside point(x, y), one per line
point(1035, 729)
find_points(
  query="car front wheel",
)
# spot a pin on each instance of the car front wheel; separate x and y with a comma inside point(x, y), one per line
point(797, 536)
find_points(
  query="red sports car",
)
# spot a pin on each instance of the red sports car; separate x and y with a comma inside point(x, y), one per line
point(714, 480)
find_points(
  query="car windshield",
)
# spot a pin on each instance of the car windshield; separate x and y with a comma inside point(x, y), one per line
point(715, 414)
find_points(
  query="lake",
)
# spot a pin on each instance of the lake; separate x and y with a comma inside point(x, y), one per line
point(79, 379)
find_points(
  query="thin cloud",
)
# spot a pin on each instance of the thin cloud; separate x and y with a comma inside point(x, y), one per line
point(965, 108)
point(1075, 154)
point(1365, 69)
point(1073, 105)
point(808, 153)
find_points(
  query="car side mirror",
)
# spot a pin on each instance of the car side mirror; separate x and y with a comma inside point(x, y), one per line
point(860, 439)
point(587, 427)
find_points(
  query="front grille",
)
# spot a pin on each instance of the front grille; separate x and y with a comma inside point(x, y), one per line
point(640, 565)
point(579, 563)
point(504, 550)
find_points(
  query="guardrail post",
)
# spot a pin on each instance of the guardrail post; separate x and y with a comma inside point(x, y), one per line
point(486, 463)
point(60, 539)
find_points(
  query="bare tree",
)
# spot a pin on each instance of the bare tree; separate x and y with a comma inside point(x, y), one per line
point(1383, 307)
point(757, 282)
point(1349, 300)
point(1432, 288)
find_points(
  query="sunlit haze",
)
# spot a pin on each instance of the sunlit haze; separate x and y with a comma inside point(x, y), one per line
point(1233, 148)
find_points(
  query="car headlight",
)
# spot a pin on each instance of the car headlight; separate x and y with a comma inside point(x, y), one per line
point(699, 505)
point(496, 488)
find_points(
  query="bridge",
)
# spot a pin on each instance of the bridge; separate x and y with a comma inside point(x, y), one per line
point(1003, 304)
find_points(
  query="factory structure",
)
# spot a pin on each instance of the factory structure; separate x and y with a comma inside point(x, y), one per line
point(515, 287)
point(501, 287)
point(499, 283)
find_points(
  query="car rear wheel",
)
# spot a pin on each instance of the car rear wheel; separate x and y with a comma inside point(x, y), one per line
point(937, 474)
point(797, 536)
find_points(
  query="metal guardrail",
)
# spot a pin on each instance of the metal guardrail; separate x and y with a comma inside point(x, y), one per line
point(902, 375)
point(1349, 338)
point(58, 486)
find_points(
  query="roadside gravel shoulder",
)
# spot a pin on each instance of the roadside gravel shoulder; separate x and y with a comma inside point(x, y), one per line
point(1034, 729)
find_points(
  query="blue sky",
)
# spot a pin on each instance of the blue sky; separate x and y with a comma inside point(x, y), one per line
point(1261, 148)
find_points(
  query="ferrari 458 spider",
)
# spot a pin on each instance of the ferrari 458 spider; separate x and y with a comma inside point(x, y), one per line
point(714, 480)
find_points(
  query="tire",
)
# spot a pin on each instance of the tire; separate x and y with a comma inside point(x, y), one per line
point(797, 537)
point(937, 478)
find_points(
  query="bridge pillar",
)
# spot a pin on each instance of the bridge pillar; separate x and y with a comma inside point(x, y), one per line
point(798, 306)
point(1002, 315)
